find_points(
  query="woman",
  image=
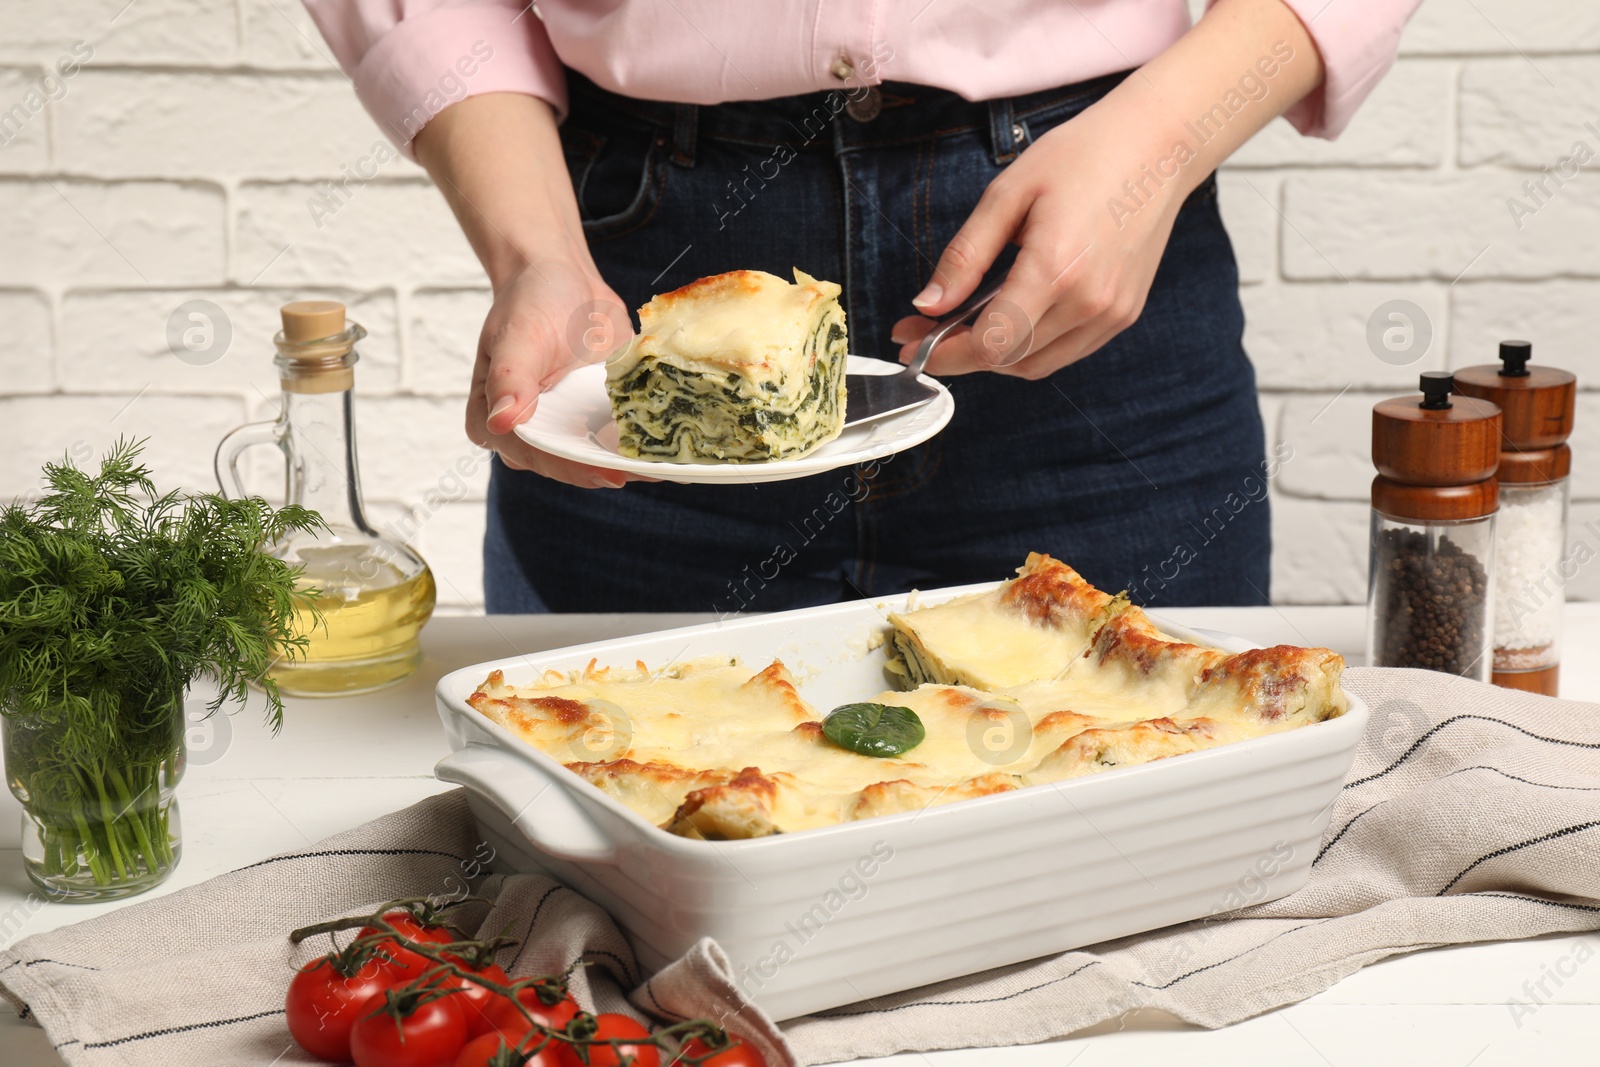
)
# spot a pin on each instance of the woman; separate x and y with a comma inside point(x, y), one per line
point(596, 154)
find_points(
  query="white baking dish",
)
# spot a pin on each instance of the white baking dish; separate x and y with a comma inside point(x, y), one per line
point(830, 916)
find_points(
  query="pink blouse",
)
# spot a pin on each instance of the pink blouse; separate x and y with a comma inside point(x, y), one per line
point(409, 59)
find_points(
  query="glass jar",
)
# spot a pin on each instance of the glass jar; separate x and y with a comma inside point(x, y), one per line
point(100, 830)
point(1429, 595)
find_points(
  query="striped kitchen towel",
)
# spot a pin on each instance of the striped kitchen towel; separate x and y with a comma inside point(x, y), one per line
point(1471, 814)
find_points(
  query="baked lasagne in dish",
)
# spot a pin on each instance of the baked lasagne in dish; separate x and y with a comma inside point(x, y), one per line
point(1043, 679)
point(740, 367)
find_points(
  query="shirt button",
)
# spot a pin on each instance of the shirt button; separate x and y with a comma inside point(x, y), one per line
point(842, 68)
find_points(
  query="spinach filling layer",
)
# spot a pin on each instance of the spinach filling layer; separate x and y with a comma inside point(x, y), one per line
point(666, 412)
point(907, 666)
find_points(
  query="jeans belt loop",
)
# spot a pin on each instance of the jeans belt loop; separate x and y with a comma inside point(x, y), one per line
point(685, 121)
point(1000, 123)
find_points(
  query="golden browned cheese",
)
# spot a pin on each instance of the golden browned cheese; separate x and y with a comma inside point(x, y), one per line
point(713, 749)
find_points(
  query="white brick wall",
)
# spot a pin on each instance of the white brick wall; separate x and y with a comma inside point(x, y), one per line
point(178, 163)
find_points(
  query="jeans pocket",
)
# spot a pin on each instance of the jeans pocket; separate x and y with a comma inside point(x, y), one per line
point(617, 176)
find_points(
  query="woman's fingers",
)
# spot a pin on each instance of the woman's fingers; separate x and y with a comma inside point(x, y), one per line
point(999, 335)
point(1005, 340)
point(1069, 346)
point(519, 455)
point(910, 329)
point(1045, 294)
point(1023, 316)
point(1048, 292)
point(972, 250)
point(948, 358)
point(1080, 277)
point(951, 356)
point(516, 353)
point(581, 475)
point(1095, 300)
point(521, 354)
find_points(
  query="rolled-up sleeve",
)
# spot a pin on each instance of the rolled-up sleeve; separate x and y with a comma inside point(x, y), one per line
point(410, 59)
point(1358, 41)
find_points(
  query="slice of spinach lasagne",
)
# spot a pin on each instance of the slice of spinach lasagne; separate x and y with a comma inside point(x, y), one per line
point(736, 368)
point(1050, 627)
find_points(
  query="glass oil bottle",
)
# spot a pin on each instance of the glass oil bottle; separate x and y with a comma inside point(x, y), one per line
point(374, 594)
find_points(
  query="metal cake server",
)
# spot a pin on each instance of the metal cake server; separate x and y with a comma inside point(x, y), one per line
point(875, 396)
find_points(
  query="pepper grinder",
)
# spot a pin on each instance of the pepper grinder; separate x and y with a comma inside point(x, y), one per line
point(1433, 530)
point(1538, 404)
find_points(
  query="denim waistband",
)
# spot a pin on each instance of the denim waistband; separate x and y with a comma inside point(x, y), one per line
point(822, 121)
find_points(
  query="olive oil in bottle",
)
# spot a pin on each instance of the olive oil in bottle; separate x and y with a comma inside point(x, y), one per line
point(374, 594)
point(367, 637)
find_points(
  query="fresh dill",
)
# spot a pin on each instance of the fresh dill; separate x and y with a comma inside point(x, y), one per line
point(113, 598)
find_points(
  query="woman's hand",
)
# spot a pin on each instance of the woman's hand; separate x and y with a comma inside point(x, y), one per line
point(548, 318)
point(1081, 276)
point(497, 160)
point(1093, 201)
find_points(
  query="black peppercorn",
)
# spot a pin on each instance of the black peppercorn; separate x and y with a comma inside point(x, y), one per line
point(1430, 605)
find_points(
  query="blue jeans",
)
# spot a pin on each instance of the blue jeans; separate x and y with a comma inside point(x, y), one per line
point(1141, 465)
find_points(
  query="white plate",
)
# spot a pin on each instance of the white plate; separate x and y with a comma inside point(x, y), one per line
point(573, 421)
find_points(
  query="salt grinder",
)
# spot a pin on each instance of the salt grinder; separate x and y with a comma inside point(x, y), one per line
point(1433, 530)
point(1531, 541)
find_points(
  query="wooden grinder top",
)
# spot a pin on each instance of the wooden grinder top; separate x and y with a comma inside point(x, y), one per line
point(1429, 448)
point(1538, 405)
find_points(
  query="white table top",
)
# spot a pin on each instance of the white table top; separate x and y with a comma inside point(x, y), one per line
point(322, 774)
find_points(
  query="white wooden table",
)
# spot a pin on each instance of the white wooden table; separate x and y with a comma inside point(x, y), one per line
point(338, 763)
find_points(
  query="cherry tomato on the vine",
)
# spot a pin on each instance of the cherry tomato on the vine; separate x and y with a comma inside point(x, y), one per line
point(477, 1003)
point(505, 1016)
point(323, 1004)
point(735, 1054)
point(618, 1026)
point(430, 1035)
point(406, 924)
point(483, 1051)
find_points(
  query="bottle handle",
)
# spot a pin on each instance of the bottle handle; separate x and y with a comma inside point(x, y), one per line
point(232, 446)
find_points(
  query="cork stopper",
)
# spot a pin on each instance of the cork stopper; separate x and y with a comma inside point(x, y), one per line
point(312, 320)
point(316, 348)
point(1538, 402)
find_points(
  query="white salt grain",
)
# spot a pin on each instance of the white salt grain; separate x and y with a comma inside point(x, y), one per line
point(1528, 548)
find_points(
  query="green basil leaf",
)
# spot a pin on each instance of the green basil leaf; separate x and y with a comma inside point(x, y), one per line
point(883, 730)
